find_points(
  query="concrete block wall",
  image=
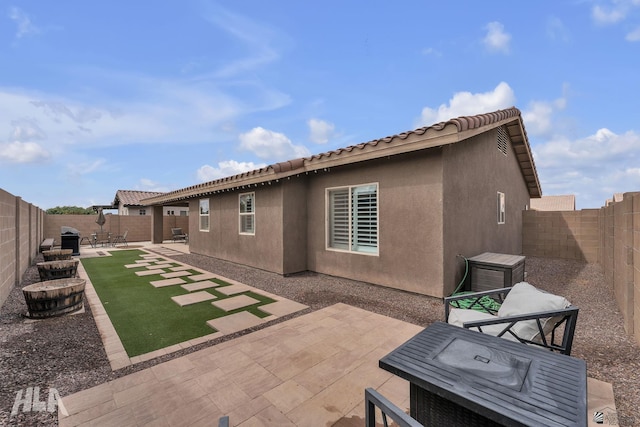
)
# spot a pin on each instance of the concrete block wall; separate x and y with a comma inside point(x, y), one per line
point(139, 226)
point(20, 237)
point(567, 235)
point(609, 236)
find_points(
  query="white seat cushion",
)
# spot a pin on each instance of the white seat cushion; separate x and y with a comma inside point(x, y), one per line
point(525, 298)
point(458, 316)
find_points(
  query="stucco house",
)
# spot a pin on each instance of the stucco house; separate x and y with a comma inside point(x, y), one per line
point(565, 202)
point(394, 211)
point(128, 202)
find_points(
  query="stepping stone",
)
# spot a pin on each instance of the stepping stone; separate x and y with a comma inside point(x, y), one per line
point(181, 268)
point(235, 322)
point(165, 265)
point(192, 298)
point(200, 285)
point(175, 274)
point(234, 289)
point(282, 308)
point(167, 282)
point(234, 303)
point(203, 276)
point(149, 272)
point(140, 264)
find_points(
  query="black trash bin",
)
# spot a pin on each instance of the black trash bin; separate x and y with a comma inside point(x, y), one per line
point(70, 239)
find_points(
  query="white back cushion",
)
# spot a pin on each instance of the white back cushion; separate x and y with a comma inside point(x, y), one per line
point(524, 299)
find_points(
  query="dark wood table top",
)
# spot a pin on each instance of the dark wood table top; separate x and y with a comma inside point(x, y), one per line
point(494, 377)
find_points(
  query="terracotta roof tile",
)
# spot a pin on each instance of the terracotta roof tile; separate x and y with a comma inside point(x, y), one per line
point(133, 197)
point(510, 116)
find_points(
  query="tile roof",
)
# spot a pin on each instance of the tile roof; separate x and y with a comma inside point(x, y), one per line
point(133, 197)
point(554, 203)
point(439, 134)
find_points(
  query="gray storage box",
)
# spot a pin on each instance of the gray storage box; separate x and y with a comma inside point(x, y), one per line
point(489, 271)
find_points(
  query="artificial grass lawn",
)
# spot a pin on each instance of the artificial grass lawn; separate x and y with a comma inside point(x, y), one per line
point(145, 317)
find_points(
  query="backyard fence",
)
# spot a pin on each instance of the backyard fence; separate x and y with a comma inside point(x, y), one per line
point(609, 236)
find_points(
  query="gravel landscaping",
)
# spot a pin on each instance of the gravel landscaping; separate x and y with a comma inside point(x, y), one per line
point(66, 353)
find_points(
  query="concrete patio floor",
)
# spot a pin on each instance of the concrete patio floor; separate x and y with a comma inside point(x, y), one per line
point(308, 371)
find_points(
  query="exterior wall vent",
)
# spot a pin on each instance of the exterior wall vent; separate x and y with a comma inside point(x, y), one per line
point(503, 140)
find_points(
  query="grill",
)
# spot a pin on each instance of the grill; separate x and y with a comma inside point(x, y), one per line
point(70, 239)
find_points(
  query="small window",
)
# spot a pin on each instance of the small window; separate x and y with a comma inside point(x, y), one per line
point(247, 213)
point(204, 214)
point(501, 208)
point(352, 224)
point(142, 212)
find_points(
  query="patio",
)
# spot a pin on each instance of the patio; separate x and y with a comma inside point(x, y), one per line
point(317, 364)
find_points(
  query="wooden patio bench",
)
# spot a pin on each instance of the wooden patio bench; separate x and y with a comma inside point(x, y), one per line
point(47, 244)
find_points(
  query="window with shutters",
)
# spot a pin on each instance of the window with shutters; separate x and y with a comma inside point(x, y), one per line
point(247, 213)
point(204, 214)
point(352, 219)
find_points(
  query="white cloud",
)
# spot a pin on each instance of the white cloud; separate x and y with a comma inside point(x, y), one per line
point(467, 103)
point(431, 51)
point(634, 35)
point(539, 115)
point(22, 20)
point(267, 144)
point(614, 12)
point(320, 131)
point(258, 39)
point(592, 168)
point(23, 152)
point(226, 168)
point(496, 40)
point(556, 30)
point(609, 16)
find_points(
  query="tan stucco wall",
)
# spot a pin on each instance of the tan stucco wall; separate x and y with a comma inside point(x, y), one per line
point(474, 172)
point(223, 240)
point(294, 219)
point(409, 217)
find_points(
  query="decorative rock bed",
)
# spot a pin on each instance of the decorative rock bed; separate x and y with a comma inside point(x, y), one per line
point(52, 270)
point(54, 297)
point(57, 254)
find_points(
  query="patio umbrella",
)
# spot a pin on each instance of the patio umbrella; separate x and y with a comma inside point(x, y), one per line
point(101, 219)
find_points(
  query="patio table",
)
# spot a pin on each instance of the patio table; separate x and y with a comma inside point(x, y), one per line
point(460, 377)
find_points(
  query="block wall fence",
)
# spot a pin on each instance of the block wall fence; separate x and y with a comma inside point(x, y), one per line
point(609, 236)
point(23, 226)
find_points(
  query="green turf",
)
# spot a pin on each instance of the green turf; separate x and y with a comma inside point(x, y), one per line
point(145, 317)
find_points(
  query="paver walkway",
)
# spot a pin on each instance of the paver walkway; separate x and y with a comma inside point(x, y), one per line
point(308, 371)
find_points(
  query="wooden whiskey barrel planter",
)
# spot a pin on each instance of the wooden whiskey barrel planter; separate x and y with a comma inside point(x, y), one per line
point(52, 270)
point(57, 254)
point(54, 297)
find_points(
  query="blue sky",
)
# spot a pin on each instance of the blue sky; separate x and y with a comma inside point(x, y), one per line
point(157, 96)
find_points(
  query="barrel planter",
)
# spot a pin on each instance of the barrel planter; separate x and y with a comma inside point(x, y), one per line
point(51, 270)
point(54, 297)
point(57, 254)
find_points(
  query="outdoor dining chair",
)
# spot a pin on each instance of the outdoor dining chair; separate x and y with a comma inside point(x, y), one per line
point(121, 239)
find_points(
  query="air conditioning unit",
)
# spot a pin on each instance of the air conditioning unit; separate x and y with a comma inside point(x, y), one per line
point(490, 271)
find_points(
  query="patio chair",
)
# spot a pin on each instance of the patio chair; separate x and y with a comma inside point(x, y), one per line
point(121, 239)
point(526, 314)
point(373, 400)
point(178, 235)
